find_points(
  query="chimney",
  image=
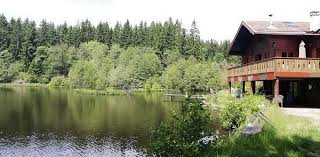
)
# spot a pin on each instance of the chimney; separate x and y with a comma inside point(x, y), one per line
point(315, 21)
point(271, 22)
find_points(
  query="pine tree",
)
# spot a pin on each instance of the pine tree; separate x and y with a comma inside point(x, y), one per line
point(116, 33)
point(29, 43)
point(43, 36)
point(195, 41)
point(16, 38)
point(169, 34)
point(87, 31)
point(62, 31)
point(53, 37)
point(126, 35)
point(4, 33)
point(109, 38)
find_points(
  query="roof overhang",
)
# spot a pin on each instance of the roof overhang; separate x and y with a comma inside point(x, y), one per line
point(241, 39)
point(245, 34)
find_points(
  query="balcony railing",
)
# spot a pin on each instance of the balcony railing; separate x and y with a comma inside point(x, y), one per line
point(288, 64)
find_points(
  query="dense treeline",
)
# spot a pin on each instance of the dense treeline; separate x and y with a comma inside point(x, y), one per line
point(154, 55)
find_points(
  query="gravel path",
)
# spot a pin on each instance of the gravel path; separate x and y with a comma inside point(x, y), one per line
point(312, 113)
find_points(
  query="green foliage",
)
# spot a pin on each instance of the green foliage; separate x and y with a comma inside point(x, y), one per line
point(290, 136)
point(179, 137)
point(58, 81)
point(236, 111)
point(58, 60)
point(152, 84)
point(83, 74)
point(25, 76)
point(172, 77)
point(38, 67)
point(123, 56)
point(135, 66)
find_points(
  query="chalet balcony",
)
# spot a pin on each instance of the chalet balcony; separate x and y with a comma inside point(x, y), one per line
point(272, 68)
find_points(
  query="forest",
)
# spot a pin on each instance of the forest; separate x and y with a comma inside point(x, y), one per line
point(150, 56)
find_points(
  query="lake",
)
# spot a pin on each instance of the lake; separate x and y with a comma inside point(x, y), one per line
point(58, 122)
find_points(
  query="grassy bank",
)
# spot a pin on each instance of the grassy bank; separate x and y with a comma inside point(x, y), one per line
point(291, 136)
point(83, 91)
point(23, 85)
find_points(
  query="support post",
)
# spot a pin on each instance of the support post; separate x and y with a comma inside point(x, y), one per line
point(276, 87)
point(253, 87)
point(229, 84)
point(243, 88)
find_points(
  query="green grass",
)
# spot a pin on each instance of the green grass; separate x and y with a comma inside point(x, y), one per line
point(22, 85)
point(83, 91)
point(291, 136)
point(112, 91)
point(100, 92)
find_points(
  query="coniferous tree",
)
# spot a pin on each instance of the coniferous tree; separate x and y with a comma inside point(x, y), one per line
point(169, 34)
point(87, 31)
point(101, 33)
point(53, 34)
point(62, 31)
point(29, 43)
point(116, 33)
point(16, 38)
point(109, 38)
point(194, 41)
point(4, 33)
point(126, 35)
point(43, 36)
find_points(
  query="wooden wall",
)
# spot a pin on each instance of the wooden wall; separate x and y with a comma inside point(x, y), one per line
point(268, 46)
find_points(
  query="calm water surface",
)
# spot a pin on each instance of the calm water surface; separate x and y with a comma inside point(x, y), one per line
point(55, 122)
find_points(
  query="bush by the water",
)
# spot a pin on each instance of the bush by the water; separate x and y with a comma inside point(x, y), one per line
point(237, 110)
point(180, 136)
point(58, 81)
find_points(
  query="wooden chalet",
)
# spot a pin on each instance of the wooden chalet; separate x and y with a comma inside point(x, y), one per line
point(285, 56)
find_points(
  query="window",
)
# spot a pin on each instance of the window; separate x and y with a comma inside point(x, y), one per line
point(291, 54)
point(258, 57)
point(284, 54)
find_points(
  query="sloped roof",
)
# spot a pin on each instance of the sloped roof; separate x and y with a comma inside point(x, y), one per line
point(277, 27)
point(248, 29)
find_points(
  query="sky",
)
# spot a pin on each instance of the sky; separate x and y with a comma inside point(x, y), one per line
point(216, 19)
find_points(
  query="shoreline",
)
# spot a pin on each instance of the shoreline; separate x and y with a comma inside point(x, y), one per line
point(85, 91)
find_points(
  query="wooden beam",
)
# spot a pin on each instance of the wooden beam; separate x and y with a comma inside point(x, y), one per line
point(276, 87)
point(253, 87)
point(243, 87)
point(229, 84)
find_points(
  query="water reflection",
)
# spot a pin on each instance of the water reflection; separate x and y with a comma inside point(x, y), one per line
point(55, 122)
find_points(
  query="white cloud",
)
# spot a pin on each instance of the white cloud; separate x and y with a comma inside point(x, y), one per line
point(216, 19)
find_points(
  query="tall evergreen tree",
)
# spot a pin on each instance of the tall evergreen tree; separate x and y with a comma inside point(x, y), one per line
point(62, 31)
point(87, 31)
point(43, 35)
point(169, 34)
point(29, 43)
point(4, 33)
point(126, 35)
point(16, 38)
point(195, 41)
point(116, 33)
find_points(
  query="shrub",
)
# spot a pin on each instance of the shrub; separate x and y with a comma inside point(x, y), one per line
point(100, 85)
point(25, 76)
point(152, 85)
point(236, 110)
point(58, 81)
point(83, 74)
point(180, 135)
